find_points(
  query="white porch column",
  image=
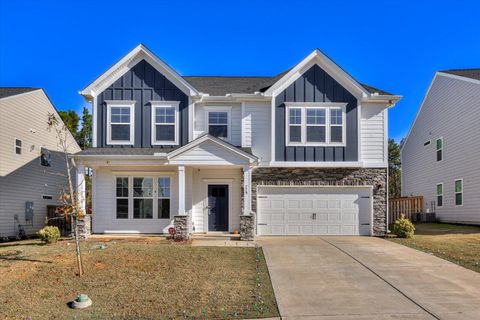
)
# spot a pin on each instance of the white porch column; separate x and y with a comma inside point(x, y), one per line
point(181, 190)
point(81, 198)
point(247, 195)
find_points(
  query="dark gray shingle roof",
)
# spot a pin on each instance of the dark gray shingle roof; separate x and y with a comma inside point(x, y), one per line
point(12, 91)
point(222, 85)
point(467, 73)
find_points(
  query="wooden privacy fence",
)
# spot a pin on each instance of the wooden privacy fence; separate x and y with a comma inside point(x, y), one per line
point(406, 205)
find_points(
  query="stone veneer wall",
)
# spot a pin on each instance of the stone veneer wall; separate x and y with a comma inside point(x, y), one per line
point(376, 177)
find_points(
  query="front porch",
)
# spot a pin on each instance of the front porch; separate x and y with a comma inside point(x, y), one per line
point(199, 188)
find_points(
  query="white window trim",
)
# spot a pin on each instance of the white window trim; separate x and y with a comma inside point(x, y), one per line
point(228, 110)
point(117, 197)
point(441, 149)
point(455, 192)
point(174, 104)
point(437, 195)
point(155, 195)
point(15, 146)
point(327, 107)
point(129, 104)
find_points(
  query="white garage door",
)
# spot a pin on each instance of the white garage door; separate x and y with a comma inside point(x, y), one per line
point(313, 211)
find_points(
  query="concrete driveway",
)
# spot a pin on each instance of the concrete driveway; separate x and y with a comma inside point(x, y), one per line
point(366, 278)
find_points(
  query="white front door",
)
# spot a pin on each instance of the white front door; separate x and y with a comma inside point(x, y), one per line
point(314, 211)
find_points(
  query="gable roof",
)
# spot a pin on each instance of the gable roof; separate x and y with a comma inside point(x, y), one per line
point(13, 91)
point(467, 73)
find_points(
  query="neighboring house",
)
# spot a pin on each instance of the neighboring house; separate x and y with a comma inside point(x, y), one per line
point(300, 153)
point(26, 186)
point(441, 154)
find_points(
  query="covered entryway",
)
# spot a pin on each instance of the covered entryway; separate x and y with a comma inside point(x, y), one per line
point(299, 210)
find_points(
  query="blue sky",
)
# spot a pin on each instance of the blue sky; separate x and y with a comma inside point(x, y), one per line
point(393, 45)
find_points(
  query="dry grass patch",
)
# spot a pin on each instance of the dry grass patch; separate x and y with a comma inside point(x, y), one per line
point(131, 279)
point(456, 243)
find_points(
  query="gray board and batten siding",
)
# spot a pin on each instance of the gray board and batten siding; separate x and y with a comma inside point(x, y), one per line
point(315, 85)
point(143, 84)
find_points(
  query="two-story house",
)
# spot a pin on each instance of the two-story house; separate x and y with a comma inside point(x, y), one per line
point(300, 153)
point(441, 154)
point(32, 165)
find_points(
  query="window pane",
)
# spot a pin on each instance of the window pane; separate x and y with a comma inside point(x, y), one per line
point(439, 155)
point(439, 189)
point(18, 143)
point(336, 116)
point(336, 134)
point(458, 186)
point(120, 132)
point(458, 199)
point(165, 133)
point(143, 208)
point(142, 187)
point(219, 131)
point(315, 116)
point(122, 187)
point(122, 208)
point(218, 118)
point(163, 208)
point(295, 116)
point(165, 114)
point(439, 144)
point(439, 201)
point(295, 134)
point(164, 187)
point(120, 115)
point(316, 134)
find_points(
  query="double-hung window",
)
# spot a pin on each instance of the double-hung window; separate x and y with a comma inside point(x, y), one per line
point(315, 124)
point(143, 198)
point(218, 122)
point(120, 122)
point(440, 195)
point(165, 123)
point(439, 149)
point(163, 197)
point(459, 192)
point(18, 146)
point(121, 200)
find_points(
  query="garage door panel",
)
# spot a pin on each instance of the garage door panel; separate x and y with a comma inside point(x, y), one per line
point(316, 211)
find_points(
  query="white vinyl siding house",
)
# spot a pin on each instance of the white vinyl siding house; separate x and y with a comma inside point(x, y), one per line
point(22, 177)
point(443, 147)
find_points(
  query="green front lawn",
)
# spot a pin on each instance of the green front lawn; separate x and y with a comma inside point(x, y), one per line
point(134, 279)
point(457, 243)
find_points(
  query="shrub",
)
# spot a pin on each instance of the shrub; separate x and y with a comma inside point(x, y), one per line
point(403, 227)
point(49, 234)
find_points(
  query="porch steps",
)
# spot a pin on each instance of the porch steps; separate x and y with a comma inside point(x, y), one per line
point(216, 236)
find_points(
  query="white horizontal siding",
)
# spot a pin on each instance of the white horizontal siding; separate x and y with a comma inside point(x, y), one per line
point(200, 121)
point(22, 178)
point(450, 110)
point(372, 133)
point(209, 153)
point(257, 129)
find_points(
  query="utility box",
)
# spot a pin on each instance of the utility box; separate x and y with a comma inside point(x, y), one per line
point(29, 211)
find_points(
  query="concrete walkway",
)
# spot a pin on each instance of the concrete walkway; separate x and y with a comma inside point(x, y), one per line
point(366, 278)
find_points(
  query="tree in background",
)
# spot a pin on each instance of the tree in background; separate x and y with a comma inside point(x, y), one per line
point(84, 136)
point(394, 170)
point(71, 120)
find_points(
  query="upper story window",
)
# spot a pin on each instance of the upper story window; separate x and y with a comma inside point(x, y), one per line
point(439, 149)
point(120, 118)
point(18, 146)
point(312, 125)
point(218, 122)
point(165, 123)
point(459, 192)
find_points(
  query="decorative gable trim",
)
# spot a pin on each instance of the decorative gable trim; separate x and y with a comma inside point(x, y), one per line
point(129, 61)
point(208, 138)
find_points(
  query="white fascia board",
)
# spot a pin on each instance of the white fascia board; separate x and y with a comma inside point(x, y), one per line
point(389, 100)
point(231, 98)
point(207, 137)
point(126, 63)
point(312, 164)
point(317, 57)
